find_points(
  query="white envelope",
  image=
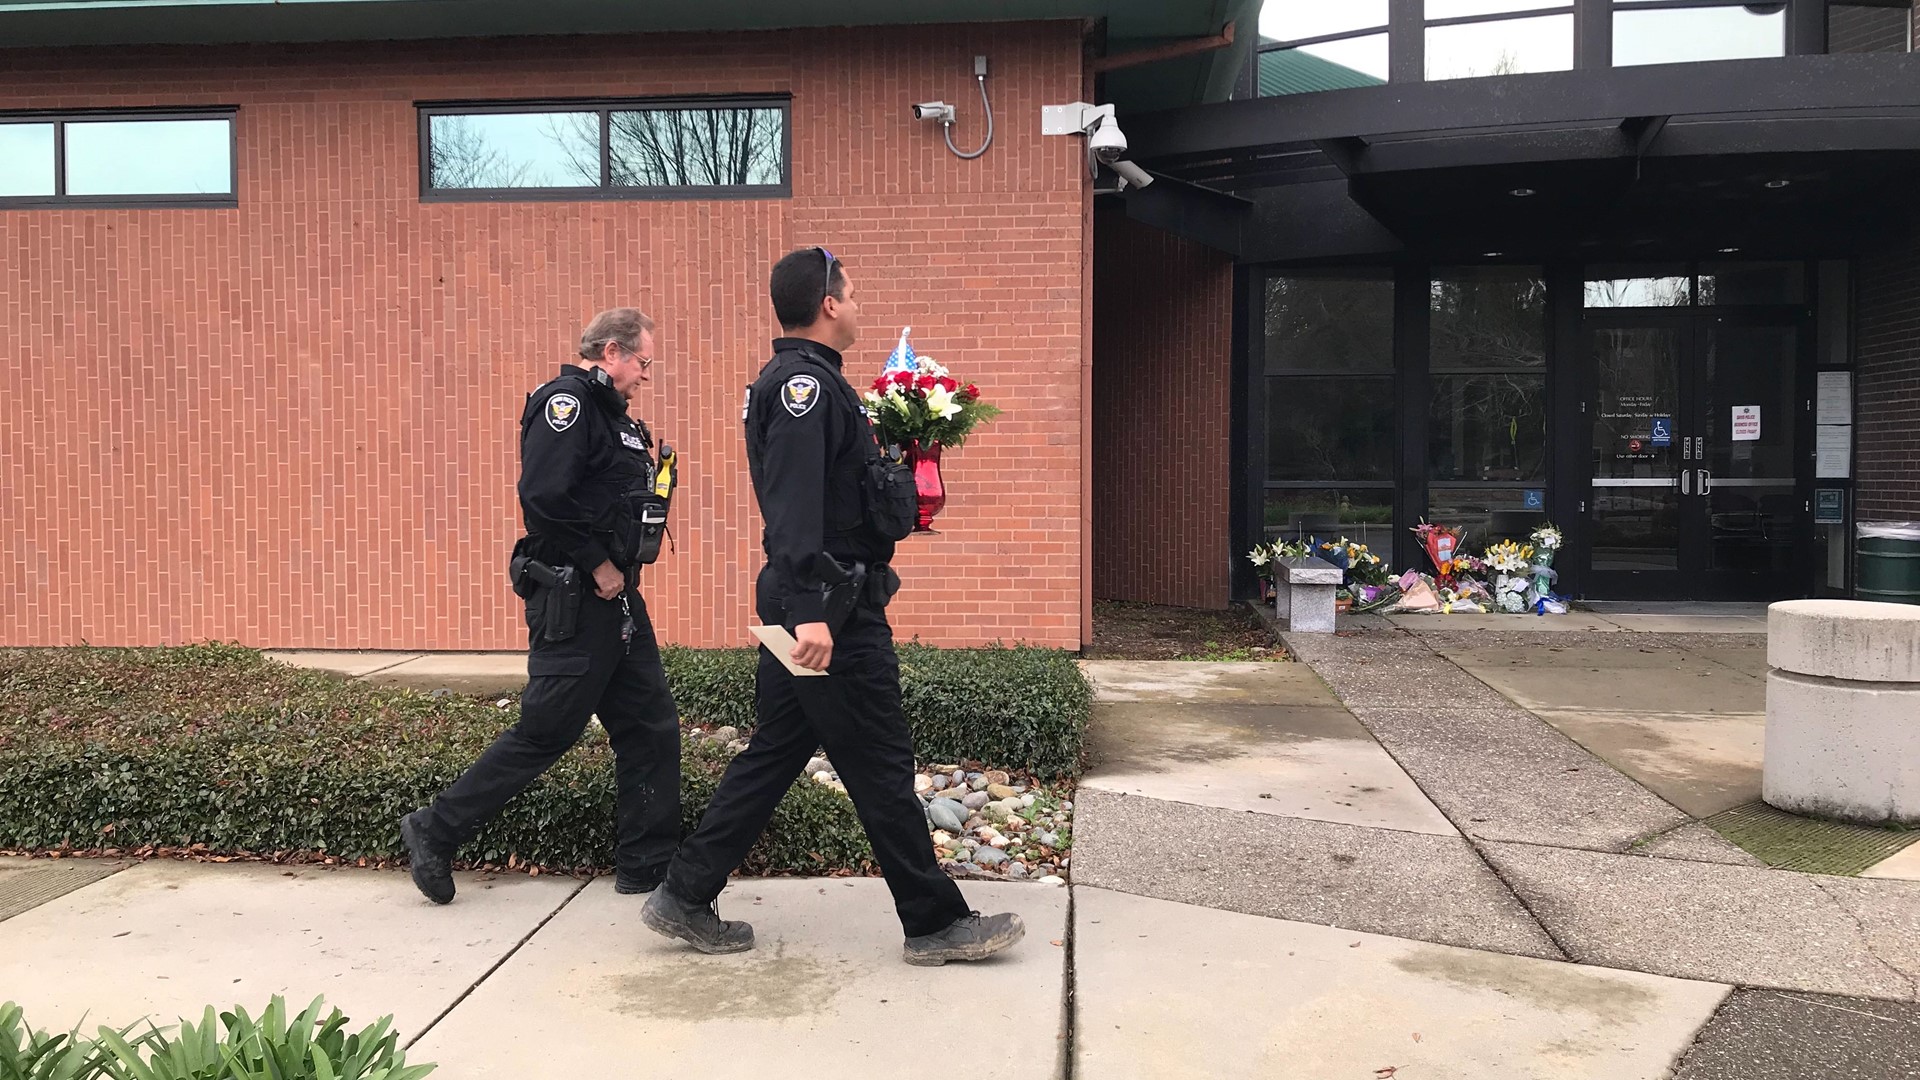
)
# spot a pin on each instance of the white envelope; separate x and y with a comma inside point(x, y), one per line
point(781, 644)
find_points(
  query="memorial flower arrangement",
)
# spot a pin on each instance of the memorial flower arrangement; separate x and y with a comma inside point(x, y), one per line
point(918, 406)
point(1510, 563)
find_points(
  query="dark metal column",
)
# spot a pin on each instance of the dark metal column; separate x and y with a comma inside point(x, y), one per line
point(1806, 27)
point(1247, 450)
point(1406, 41)
point(1593, 33)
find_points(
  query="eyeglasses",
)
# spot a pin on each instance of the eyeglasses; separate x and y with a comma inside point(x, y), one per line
point(646, 364)
point(826, 287)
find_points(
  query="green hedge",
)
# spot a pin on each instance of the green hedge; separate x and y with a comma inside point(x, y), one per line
point(218, 746)
point(1019, 708)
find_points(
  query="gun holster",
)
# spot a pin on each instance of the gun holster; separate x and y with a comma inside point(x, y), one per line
point(560, 601)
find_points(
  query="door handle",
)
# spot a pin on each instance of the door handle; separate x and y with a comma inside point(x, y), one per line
point(1686, 478)
point(1706, 482)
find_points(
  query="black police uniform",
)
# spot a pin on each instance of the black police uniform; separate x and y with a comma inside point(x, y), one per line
point(583, 461)
point(806, 446)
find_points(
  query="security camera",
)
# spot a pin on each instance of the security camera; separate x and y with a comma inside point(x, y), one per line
point(1134, 175)
point(938, 111)
point(1105, 140)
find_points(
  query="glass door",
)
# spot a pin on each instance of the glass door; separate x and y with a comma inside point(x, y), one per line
point(1634, 523)
point(1696, 488)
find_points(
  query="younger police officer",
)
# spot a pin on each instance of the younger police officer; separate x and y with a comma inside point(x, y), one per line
point(829, 536)
point(588, 495)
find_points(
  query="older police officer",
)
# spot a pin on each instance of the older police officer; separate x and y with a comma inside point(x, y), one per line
point(833, 510)
point(594, 503)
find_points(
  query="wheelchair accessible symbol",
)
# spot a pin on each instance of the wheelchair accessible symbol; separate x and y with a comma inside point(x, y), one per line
point(1662, 431)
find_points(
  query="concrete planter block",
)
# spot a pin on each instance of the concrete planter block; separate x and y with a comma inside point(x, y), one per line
point(1303, 593)
point(1845, 639)
point(1845, 750)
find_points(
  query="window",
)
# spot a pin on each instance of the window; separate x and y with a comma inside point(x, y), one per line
point(1332, 439)
point(1645, 32)
point(1308, 45)
point(1470, 38)
point(1726, 284)
point(606, 150)
point(121, 159)
point(1487, 399)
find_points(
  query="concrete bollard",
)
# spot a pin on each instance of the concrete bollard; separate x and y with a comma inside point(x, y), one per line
point(1843, 710)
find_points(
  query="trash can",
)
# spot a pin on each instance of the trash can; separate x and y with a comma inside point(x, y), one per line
point(1888, 569)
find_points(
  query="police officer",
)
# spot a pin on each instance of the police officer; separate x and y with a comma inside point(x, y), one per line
point(828, 540)
point(587, 493)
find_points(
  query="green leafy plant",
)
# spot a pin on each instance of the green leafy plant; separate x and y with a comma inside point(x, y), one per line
point(26, 1054)
point(219, 748)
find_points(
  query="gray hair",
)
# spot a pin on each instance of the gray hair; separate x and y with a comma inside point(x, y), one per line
point(622, 325)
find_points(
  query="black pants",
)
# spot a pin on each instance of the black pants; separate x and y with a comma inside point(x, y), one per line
point(854, 711)
point(567, 683)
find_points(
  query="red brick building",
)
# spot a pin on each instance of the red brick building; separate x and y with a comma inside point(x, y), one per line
point(277, 401)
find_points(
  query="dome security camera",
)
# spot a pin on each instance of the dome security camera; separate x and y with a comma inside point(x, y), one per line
point(1106, 141)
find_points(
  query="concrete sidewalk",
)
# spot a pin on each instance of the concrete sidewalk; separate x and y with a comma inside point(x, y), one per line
point(463, 673)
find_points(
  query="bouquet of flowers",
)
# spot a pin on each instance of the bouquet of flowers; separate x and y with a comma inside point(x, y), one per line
point(1265, 558)
point(1540, 597)
point(1510, 563)
point(1367, 581)
point(1441, 542)
point(916, 402)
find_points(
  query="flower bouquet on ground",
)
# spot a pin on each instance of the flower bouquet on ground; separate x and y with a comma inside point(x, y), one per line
point(1441, 542)
point(1266, 563)
point(1367, 582)
point(919, 407)
point(1540, 596)
point(1511, 564)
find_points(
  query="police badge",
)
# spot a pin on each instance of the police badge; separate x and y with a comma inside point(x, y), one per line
point(562, 411)
point(799, 394)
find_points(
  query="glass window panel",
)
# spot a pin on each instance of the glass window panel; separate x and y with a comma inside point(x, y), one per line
point(1858, 28)
point(1330, 428)
point(1488, 317)
point(1292, 20)
point(1609, 287)
point(1752, 283)
point(1487, 427)
point(1512, 47)
point(697, 147)
point(1330, 65)
point(1681, 35)
point(1362, 514)
point(1487, 515)
point(150, 157)
point(514, 150)
point(1459, 9)
point(26, 159)
point(1329, 324)
point(1636, 529)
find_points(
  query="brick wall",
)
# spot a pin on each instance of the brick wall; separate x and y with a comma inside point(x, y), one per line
point(1162, 395)
point(294, 423)
point(1887, 357)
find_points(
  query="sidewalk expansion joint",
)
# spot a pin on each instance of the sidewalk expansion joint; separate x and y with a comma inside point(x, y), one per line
point(1866, 940)
point(1069, 1003)
point(497, 965)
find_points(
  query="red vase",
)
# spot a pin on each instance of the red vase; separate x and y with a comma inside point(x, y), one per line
point(926, 481)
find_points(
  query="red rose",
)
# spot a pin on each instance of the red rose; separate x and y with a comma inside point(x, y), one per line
point(904, 378)
point(880, 385)
point(947, 384)
point(924, 382)
point(973, 391)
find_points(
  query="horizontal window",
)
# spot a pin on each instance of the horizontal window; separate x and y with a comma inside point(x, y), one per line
point(623, 149)
point(1685, 34)
point(119, 159)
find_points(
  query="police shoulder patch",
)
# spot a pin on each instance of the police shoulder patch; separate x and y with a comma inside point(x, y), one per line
point(562, 411)
point(799, 394)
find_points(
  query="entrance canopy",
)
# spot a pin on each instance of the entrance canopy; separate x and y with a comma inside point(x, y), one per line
point(1800, 156)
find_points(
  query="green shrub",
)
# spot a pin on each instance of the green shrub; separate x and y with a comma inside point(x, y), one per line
point(1020, 708)
point(217, 746)
point(229, 1046)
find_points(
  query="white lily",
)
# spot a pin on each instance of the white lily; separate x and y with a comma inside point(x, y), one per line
point(1259, 556)
point(940, 402)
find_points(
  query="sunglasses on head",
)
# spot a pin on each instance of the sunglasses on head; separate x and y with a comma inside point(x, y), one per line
point(826, 289)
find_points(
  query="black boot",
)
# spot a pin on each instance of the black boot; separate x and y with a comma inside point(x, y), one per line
point(972, 937)
point(431, 874)
point(697, 924)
